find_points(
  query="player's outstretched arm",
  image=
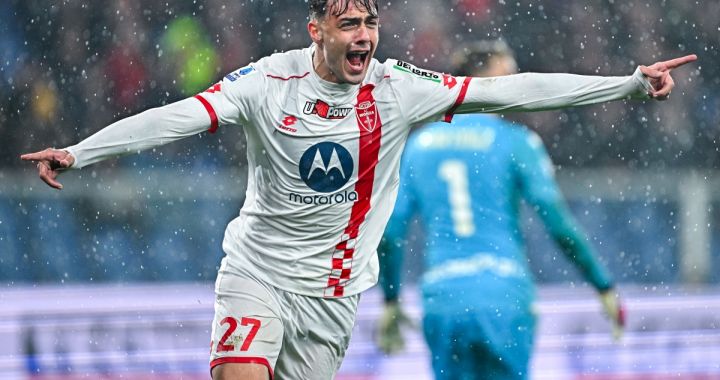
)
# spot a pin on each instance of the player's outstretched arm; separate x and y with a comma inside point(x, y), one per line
point(145, 130)
point(539, 92)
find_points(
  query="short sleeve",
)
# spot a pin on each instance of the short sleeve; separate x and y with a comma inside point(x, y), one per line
point(424, 95)
point(235, 97)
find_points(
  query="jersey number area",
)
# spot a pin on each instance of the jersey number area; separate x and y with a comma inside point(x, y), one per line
point(224, 346)
point(455, 174)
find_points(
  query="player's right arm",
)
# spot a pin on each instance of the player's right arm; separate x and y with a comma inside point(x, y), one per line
point(539, 92)
point(424, 95)
point(227, 102)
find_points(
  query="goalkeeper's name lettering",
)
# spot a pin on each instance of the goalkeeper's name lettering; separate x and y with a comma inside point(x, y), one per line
point(324, 199)
point(500, 266)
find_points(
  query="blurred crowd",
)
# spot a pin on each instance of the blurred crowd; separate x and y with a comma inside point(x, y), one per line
point(71, 67)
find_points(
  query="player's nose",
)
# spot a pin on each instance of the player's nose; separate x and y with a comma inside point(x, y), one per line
point(363, 34)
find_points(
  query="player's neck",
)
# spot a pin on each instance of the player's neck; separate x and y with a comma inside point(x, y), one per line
point(321, 67)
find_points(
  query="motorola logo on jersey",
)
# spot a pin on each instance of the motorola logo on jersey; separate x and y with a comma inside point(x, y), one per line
point(324, 110)
point(326, 167)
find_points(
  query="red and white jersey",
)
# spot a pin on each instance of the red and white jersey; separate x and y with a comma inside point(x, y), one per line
point(323, 158)
point(323, 161)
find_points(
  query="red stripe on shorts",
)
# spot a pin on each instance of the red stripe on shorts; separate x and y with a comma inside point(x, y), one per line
point(243, 360)
point(370, 128)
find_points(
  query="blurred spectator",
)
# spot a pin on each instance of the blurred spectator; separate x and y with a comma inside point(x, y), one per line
point(11, 45)
point(189, 48)
point(143, 48)
point(125, 67)
point(68, 68)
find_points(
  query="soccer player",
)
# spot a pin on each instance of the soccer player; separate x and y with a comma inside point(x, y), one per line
point(466, 181)
point(325, 127)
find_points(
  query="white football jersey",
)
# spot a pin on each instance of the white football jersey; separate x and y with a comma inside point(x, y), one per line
point(323, 158)
point(323, 161)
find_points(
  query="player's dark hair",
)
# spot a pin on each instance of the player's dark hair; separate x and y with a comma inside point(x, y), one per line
point(473, 57)
point(320, 8)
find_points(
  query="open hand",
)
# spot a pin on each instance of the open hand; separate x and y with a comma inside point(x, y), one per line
point(50, 162)
point(659, 75)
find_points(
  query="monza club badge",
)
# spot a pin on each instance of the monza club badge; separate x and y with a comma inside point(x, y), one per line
point(366, 114)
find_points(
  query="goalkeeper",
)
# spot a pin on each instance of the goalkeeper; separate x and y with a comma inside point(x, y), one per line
point(465, 181)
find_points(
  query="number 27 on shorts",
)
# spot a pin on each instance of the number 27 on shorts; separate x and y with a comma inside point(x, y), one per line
point(224, 345)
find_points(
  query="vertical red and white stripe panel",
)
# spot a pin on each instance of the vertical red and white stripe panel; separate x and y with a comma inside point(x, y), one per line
point(369, 126)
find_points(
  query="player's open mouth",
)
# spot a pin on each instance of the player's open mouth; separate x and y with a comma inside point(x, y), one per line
point(356, 60)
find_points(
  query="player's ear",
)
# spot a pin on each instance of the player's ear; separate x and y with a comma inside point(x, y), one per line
point(315, 31)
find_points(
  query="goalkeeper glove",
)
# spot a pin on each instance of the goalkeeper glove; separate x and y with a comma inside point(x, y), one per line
point(615, 311)
point(389, 337)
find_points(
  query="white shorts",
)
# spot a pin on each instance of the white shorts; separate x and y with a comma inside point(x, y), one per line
point(294, 336)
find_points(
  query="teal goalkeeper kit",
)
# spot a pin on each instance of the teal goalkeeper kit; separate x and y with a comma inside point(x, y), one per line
point(465, 181)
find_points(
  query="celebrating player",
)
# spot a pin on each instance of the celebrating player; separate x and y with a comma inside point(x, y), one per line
point(466, 181)
point(325, 127)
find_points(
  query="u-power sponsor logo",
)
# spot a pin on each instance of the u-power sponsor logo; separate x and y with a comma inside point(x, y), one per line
point(325, 111)
point(325, 167)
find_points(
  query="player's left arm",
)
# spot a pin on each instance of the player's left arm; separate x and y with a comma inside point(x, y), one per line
point(542, 192)
point(227, 102)
point(540, 189)
point(538, 92)
point(153, 127)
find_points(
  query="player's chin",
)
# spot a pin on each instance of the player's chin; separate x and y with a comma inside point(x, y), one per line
point(355, 75)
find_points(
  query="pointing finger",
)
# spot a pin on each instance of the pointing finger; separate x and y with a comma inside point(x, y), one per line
point(37, 156)
point(677, 62)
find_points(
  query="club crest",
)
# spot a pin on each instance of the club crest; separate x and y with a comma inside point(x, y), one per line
point(366, 114)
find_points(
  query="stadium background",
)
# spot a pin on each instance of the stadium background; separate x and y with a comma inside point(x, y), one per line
point(113, 275)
